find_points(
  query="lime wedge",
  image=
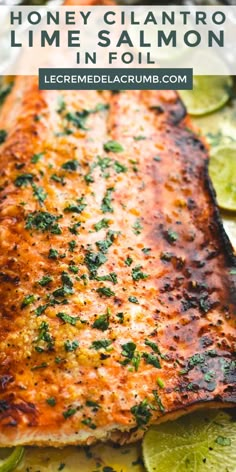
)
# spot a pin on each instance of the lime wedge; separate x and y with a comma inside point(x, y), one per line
point(200, 442)
point(12, 461)
point(209, 94)
point(222, 169)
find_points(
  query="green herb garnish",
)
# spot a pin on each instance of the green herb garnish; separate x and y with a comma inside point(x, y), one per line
point(3, 135)
point(36, 157)
point(71, 165)
point(137, 273)
point(39, 193)
point(105, 292)
point(104, 223)
point(133, 299)
point(102, 322)
point(27, 300)
point(152, 360)
point(69, 412)
point(51, 401)
point(43, 221)
point(45, 280)
point(113, 146)
point(107, 200)
point(101, 344)
point(23, 180)
point(67, 318)
point(71, 346)
point(142, 413)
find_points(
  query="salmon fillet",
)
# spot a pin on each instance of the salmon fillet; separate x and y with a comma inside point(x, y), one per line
point(117, 291)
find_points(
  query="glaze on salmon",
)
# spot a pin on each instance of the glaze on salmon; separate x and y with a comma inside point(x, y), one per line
point(117, 291)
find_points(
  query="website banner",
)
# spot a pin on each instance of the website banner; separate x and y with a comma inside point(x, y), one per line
point(200, 38)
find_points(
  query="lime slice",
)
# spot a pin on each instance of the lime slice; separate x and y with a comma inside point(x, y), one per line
point(209, 94)
point(12, 461)
point(222, 169)
point(200, 442)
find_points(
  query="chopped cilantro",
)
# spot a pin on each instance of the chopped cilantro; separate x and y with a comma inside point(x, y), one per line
point(4, 91)
point(136, 361)
point(104, 223)
point(137, 227)
point(171, 236)
point(146, 250)
point(119, 168)
point(39, 193)
point(133, 299)
point(160, 382)
point(196, 359)
point(51, 401)
point(102, 322)
point(92, 404)
point(45, 336)
point(112, 277)
point(101, 344)
point(3, 135)
point(158, 400)
point(71, 345)
point(88, 422)
point(53, 254)
point(128, 261)
point(105, 292)
point(107, 200)
point(61, 104)
point(27, 300)
point(67, 318)
point(113, 146)
point(74, 228)
point(93, 261)
point(69, 412)
point(121, 317)
point(137, 274)
point(71, 165)
point(78, 119)
point(153, 345)
point(142, 413)
point(166, 256)
point(104, 245)
point(36, 157)
point(67, 286)
point(58, 179)
point(89, 178)
point(72, 245)
point(45, 280)
point(103, 162)
point(41, 309)
point(23, 180)
point(128, 349)
point(43, 221)
point(76, 207)
point(152, 360)
point(73, 268)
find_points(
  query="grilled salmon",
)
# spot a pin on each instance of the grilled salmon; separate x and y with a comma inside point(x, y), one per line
point(117, 291)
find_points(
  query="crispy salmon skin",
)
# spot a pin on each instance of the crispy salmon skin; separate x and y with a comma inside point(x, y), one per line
point(117, 290)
